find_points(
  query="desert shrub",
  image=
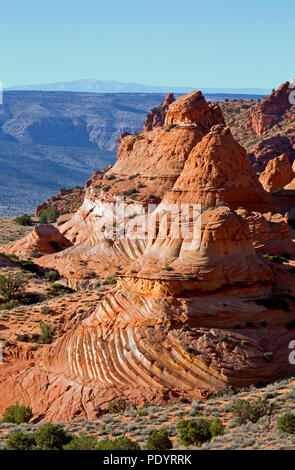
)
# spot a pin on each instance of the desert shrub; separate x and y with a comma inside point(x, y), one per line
point(194, 432)
point(17, 414)
point(47, 333)
point(224, 339)
point(159, 440)
point(48, 215)
point(110, 281)
point(56, 290)
point(114, 407)
point(81, 442)
point(122, 443)
point(277, 259)
point(117, 406)
point(20, 441)
point(143, 411)
point(51, 437)
point(130, 191)
point(268, 356)
point(24, 338)
point(245, 411)
point(286, 423)
point(12, 286)
point(216, 428)
point(24, 219)
point(10, 304)
point(46, 310)
point(52, 275)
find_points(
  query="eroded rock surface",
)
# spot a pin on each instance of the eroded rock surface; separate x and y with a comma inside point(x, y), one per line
point(191, 311)
point(277, 174)
point(43, 239)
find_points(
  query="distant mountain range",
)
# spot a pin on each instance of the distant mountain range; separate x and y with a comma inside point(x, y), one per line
point(111, 86)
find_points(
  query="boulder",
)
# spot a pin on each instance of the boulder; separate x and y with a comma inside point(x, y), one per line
point(277, 174)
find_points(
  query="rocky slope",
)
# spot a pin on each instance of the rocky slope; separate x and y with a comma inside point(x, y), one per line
point(195, 306)
point(265, 128)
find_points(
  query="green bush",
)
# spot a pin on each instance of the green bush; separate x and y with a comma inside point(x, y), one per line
point(216, 427)
point(130, 191)
point(22, 337)
point(110, 281)
point(47, 333)
point(117, 406)
point(286, 423)
point(20, 441)
point(48, 215)
point(56, 290)
point(17, 414)
point(122, 443)
point(12, 286)
point(24, 219)
point(52, 275)
point(51, 437)
point(245, 411)
point(143, 411)
point(81, 442)
point(159, 440)
point(194, 432)
point(10, 304)
point(46, 310)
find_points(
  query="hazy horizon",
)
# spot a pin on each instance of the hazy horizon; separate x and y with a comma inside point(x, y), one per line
point(228, 45)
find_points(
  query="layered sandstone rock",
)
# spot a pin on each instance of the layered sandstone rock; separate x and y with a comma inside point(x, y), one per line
point(218, 170)
point(42, 239)
point(196, 305)
point(271, 147)
point(271, 109)
point(277, 174)
point(163, 152)
point(193, 109)
point(148, 165)
point(270, 232)
point(156, 117)
point(216, 251)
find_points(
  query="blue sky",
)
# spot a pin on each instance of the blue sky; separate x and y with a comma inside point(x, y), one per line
point(155, 42)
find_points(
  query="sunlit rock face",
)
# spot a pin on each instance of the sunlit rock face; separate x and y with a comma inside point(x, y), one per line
point(192, 310)
point(43, 239)
point(277, 174)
